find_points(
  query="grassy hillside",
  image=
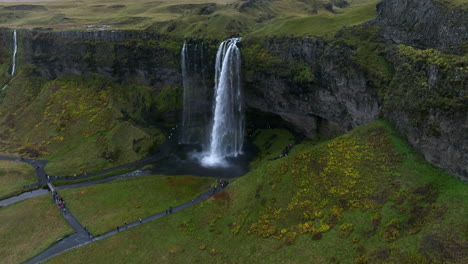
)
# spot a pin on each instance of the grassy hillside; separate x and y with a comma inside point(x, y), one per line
point(364, 197)
point(13, 176)
point(81, 124)
point(29, 227)
point(200, 18)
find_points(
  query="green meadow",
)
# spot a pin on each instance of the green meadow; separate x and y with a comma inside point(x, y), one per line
point(363, 197)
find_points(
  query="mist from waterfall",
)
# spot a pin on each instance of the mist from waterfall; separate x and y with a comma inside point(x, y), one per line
point(15, 50)
point(227, 131)
point(196, 103)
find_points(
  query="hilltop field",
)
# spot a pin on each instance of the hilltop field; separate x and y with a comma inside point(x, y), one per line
point(198, 18)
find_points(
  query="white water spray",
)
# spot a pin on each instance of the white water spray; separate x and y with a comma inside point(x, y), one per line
point(15, 50)
point(227, 133)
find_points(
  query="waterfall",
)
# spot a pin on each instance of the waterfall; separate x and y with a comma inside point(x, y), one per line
point(186, 118)
point(15, 50)
point(196, 103)
point(227, 132)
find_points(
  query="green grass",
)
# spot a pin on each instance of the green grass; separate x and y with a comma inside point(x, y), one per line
point(363, 197)
point(201, 19)
point(13, 176)
point(29, 227)
point(320, 24)
point(102, 207)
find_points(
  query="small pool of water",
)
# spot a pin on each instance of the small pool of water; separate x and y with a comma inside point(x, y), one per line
point(185, 160)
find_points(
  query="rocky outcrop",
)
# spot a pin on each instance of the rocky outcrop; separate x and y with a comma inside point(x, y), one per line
point(428, 102)
point(422, 23)
point(334, 98)
point(447, 148)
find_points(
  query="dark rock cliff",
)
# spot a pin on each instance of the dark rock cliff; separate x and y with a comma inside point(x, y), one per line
point(427, 101)
point(128, 56)
point(315, 87)
point(422, 23)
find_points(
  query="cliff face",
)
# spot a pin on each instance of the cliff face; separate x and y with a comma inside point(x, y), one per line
point(422, 23)
point(427, 101)
point(314, 86)
point(128, 56)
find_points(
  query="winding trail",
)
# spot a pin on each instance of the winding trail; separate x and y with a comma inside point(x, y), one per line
point(21, 197)
point(38, 166)
point(82, 237)
point(164, 150)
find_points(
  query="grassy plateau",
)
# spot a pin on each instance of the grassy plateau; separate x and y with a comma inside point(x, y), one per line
point(199, 18)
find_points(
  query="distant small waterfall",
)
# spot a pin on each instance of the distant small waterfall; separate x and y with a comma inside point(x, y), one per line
point(15, 50)
point(196, 103)
point(227, 132)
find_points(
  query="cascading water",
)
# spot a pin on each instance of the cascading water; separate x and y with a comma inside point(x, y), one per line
point(227, 133)
point(15, 50)
point(197, 107)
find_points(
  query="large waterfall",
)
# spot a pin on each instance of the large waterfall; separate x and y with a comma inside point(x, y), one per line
point(227, 132)
point(15, 50)
point(196, 111)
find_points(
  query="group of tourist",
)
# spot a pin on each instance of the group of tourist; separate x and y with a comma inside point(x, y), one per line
point(59, 201)
point(172, 131)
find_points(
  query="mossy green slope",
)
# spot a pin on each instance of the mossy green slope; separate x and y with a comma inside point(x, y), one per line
point(81, 124)
point(364, 197)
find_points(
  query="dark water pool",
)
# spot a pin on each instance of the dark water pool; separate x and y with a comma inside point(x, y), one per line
point(185, 160)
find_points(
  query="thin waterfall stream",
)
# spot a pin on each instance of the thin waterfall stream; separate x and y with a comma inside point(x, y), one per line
point(15, 50)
